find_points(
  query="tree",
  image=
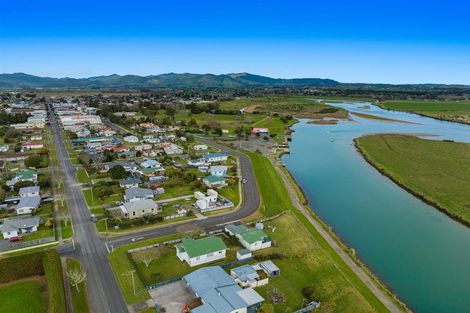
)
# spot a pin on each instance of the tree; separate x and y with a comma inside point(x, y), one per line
point(33, 161)
point(118, 172)
point(148, 255)
point(192, 123)
point(49, 223)
point(22, 184)
point(76, 276)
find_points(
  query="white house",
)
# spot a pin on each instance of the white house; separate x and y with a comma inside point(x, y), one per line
point(251, 238)
point(200, 251)
point(200, 147)
point(205, 202)
point(15, 227)
point(150, 164)
point(218, 170)
point(131, 139)
point(215, 157)
point(130, 182)
point(139, 208)
point(33, 145)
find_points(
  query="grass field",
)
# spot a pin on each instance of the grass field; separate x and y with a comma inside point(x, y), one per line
point(168, 266)
point(436, 170)
point(79, 298)
point(457, 111)
point(17, 296)
point(122, 265)
point(306, 264)
point(284, 105)
point(274, 196)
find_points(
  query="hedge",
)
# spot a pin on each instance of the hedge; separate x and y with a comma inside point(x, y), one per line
point(39, 263)
point(21, 266)
point(55, 282)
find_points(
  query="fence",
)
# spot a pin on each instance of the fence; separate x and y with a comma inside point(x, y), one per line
point(5, 245)
point(170, 217)
point(156, 245)
point(311, 306)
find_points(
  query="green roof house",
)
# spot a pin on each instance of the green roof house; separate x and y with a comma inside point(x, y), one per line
point(200, 251)
point(251, 238)
point(23, 175)
point(214, 181)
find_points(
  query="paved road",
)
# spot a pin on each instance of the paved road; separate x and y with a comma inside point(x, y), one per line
point(103, 290)
point(250, 204)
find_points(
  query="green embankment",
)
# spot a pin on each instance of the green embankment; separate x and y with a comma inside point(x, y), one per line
point(457, 111)
point(310, 261)
point(436, 171)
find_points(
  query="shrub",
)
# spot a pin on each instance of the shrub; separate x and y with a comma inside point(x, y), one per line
point(53, 271)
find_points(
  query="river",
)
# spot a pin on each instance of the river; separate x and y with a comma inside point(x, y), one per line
point(419, 252)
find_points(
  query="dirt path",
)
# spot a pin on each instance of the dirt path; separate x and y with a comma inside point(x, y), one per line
point(383, 297)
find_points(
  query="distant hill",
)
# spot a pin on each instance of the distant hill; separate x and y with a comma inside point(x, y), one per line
point(170, 80)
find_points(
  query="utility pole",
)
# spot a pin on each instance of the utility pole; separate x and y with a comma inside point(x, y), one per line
point(132, 277)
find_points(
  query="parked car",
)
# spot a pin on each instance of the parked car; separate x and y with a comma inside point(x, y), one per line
point(16, 238)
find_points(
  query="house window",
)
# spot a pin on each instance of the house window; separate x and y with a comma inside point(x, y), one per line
point(210, 254)
point(133, 213)
point(220, 252)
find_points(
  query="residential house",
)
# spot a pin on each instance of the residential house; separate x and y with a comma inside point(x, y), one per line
point(150, 164)
point(139, 208)
point(17, 226)
point(23, 175)
point(261, 131)
point(196, 163)
point(206, 202)
point(251, 238)
point(36, 137)
point(200, 147)
point(4, 148)
point(136, 193)
point(32, 145)
point(128, 166)
point(29, 191)
point(28, 204)
point(218, 170)
point(131, 139)
point(130, 182)
point(215, 157)
point(214, 181)
point(173, 149)
point(247, 276)
point(220, 293)
point(200, 251)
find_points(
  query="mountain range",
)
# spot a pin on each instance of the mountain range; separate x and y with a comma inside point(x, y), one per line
point(170, 80)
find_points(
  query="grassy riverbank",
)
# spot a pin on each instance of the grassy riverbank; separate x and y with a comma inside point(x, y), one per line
point(435, 171)
point(455, 111)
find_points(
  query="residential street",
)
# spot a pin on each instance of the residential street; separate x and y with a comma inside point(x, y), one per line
point(103, 290)
point(250, 204)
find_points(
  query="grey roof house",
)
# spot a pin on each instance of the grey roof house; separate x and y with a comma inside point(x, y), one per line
point(13, 227)
point(28, 204)
point(220, 293)
point(136, 193)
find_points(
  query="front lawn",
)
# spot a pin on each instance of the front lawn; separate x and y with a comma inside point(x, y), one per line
point(16, 296)
point(82, 176)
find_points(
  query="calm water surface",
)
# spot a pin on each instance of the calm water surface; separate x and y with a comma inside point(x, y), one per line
point(423, 255)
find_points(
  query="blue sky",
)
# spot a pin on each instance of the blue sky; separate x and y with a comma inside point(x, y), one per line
point(351, 41)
